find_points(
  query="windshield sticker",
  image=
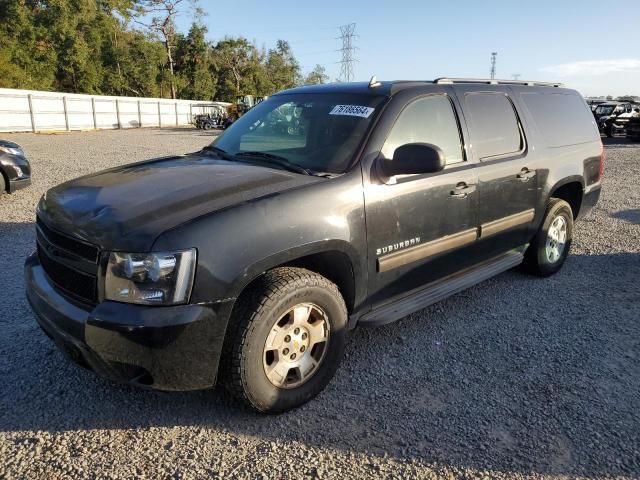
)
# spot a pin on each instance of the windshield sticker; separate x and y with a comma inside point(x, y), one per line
point(352, 111)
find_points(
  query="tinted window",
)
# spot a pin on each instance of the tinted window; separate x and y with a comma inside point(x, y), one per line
point(494, 125)
point(604, 109)
point(562, 119)
point(427, 120)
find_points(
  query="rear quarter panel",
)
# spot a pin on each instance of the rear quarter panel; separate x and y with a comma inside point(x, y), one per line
point(560, 164)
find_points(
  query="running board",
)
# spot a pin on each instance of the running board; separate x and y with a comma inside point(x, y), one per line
point(439, 290)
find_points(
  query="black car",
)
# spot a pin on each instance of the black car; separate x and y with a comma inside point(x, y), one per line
point(250, 261)
point(613, 117)
point(15, 171)
point(633, 128)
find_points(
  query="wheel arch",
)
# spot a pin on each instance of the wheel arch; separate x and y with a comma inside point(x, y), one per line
point(333, 261)
point(571, 190)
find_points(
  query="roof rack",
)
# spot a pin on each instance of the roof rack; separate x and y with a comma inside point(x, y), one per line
point(490, 81)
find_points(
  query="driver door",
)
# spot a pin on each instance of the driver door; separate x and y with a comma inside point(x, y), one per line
point(421, 227)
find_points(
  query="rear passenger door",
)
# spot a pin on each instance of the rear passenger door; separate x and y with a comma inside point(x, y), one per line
point(507, 171)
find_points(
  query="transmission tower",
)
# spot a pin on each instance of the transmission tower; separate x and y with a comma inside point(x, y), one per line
point(347, 35)
point(516, 76)
point(493, 64)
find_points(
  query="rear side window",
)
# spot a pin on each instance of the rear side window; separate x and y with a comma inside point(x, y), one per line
point(427, 120)
point(562, 119)
point(494, 125)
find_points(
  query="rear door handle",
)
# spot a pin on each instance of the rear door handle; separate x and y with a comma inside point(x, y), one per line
point(525, 174)
point(462, 190)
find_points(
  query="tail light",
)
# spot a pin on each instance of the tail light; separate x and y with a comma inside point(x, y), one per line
point(601, 166)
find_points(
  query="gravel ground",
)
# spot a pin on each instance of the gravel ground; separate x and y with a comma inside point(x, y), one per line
point(518, 377)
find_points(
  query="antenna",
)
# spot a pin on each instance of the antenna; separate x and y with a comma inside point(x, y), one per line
point(347, 34)
point(493, 64)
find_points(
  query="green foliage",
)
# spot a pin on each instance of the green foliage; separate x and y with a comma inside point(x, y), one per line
point(316, 76)
point(90, 46)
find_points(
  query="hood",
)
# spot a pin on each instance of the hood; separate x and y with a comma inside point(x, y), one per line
point(126, 208)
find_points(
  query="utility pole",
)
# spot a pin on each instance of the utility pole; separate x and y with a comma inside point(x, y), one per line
point(493, 64)
point(516, 76)
point(347, 34)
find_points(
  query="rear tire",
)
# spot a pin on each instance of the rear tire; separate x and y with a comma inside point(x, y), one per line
point(550, 246)
point(277, 356)
point(4, 184)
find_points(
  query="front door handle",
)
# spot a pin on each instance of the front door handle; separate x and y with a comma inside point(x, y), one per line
point(462, 190)
point(525, 174)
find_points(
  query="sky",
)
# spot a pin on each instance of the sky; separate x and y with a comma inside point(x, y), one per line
point(590, 45)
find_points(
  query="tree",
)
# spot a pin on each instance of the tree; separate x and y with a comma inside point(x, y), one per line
point(316, 76)
point(235, 62)
point(162, 23)
point(282, 67)
point(194, 65)
point(90, 46)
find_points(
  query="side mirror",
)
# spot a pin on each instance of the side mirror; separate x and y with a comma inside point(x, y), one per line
point(413, 158)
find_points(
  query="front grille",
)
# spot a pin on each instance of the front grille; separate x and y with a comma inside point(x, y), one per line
point(81, 249)
point(69, 280)
point(70, 264)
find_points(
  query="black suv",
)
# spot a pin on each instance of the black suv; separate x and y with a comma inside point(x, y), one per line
point(248, 262)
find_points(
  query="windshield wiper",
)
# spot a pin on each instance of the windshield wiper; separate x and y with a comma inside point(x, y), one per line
point(218, 151)
point(270, 158)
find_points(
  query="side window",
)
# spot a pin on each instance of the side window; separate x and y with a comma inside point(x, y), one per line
point(561, 118)
point(494, 125)
point(427, 120)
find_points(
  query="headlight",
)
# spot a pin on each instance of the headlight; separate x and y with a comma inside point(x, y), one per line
point(159, 278)
point(12, 150)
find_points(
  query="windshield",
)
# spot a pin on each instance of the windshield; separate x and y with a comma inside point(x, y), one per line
point(315, 131)
point(604, 109)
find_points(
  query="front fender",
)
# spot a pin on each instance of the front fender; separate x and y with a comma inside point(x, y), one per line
point(237, 244)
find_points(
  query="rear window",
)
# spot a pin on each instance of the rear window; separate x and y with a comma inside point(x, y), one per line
point(494, 125)
point(562, 119)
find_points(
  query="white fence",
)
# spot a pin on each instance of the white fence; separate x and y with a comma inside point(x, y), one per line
point(33, 111)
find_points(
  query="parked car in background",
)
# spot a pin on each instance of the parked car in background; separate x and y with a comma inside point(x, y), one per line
point(612, 117)
point(15, 171)
point(633, 128)
point(248, 262)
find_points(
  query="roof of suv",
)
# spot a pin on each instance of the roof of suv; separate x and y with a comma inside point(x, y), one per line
point(392, 87)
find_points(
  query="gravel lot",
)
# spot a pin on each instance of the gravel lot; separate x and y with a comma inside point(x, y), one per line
point(518, 377)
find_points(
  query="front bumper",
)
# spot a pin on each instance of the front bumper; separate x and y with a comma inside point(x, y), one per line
point(166, 348)
point(16, 170)
point(17, 184)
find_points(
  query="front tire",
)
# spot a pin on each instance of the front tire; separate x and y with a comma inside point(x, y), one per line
point(285, 340)
point(550, 246)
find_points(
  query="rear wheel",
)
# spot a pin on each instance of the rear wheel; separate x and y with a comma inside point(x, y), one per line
point(4, 185)
point(550, 246)
point(285, 340)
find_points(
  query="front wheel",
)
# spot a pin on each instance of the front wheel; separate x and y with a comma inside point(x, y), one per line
point(285, 340)
point(550, 246)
